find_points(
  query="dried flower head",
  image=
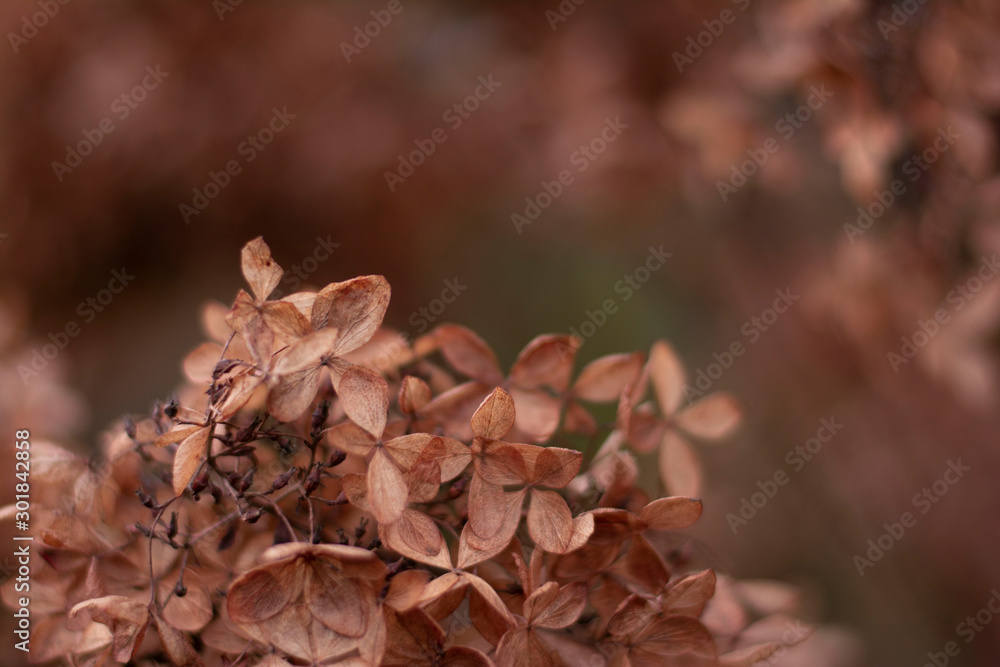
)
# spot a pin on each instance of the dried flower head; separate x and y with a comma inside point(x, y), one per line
point(299, 505)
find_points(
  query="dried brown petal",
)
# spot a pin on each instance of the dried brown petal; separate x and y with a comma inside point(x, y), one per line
point(285, 320)
point(689, 595)
point(261, 272)
point(350, 438)
point(406, 589)
point(177, 646)
point(127, 619)
point(562, 609)
point(603, 379)
point(192, 612)
point(712, 417)
point(523, 647)
point(356, 489)
point(294, 393)
point(364, 395)
point(416, 536)
point(667, 375)
point(494, 416)
point(537, 414)
point(414, 394)
point(489, 614)
point(413, 639)
point(423, 481)
point(465, 656)
point(675, 635)
point(633, 613)
point(190, 453)
point(671, 513)
point(356, 307)
point(387, 488)
point(262, 593)
point(549, 521)
point(502, 463)
point(241, 389)
point(547, 361)
point(335, 601)
point(451, 456)
point(488, 508)
point(468, 354)
point(176, 435)
point(555, 467)
point(680, 468)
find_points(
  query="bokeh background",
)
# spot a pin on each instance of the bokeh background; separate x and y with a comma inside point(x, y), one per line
point(694, 86)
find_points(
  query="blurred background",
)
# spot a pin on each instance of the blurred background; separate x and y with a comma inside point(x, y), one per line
point(524, 160)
